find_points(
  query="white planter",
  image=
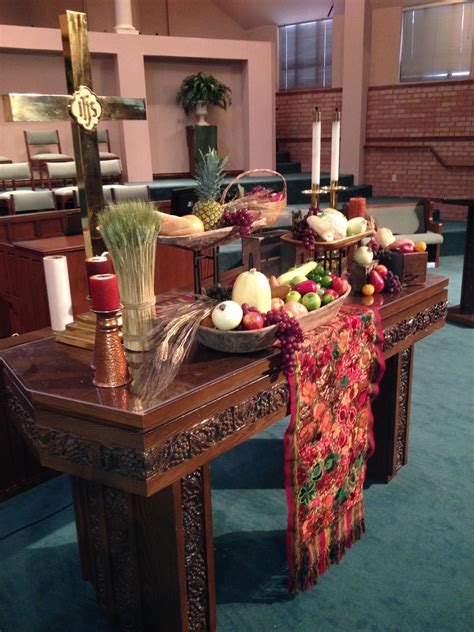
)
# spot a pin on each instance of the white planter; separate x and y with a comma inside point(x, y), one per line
point(201, 113)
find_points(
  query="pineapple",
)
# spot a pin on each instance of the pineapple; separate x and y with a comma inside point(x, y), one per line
point(209, 177)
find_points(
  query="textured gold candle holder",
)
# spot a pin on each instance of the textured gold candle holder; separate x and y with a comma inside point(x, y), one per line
point(333, 190)
point(314, 192)
point(111, 368)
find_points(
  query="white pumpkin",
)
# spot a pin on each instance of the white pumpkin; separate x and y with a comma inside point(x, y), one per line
point(253, 288)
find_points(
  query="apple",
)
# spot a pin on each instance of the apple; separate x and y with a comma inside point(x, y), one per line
point(292, 296)
point(311, 301)
point(277, 304)
point(299, 278)
point(332, 293)
point(381, 269)
point(340, 285)
point(294, 308)
point(253, 320)
point(328, 298)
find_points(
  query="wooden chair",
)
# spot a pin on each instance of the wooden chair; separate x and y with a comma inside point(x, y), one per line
point(34, 140)
point(111, 170)
point(104, 139)
point(31, 201)
point(131, 193)
point(13, 174)
point(106, 190)
point(62, 173)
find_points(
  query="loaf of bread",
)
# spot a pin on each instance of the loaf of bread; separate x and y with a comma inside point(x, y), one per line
point(174, 226)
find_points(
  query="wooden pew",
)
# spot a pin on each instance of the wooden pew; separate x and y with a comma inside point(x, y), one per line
point(26, 239)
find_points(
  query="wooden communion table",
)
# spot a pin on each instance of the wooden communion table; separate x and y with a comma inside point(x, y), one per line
point(140, 470)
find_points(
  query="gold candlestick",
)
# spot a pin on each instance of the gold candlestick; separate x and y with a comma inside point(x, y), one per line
point(315, 192)
point(333, 189)
point(111, 368)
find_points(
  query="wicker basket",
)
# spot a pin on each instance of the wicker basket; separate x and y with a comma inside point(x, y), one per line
point(270, 211)
point(208, 239)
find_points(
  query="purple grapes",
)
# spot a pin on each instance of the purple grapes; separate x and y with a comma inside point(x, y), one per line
point(290, 336)
point(241, 218)
point(301, 230)
point(392, 283)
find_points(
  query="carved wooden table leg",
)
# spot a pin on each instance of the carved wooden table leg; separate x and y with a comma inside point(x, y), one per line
point(391, 411)
point(150, 559)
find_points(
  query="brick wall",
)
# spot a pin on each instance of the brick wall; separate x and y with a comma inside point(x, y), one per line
point(420, 141)
point(294, 118)
point(419, 138)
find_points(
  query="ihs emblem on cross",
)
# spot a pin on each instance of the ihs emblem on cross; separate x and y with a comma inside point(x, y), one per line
point(84, 109)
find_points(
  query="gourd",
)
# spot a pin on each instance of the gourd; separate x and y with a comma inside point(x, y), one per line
point(253, 288)
point(303, 270)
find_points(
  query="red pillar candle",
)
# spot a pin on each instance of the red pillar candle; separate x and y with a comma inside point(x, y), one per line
point(99, 265)
point(356, 207)
point(104, 292)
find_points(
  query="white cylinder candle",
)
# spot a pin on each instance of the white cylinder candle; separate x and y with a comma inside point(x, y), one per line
point(335, 142)
point(59, 291)
point(316, 150)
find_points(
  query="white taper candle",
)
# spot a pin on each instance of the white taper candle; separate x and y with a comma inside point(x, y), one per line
point(59, 291)
point(335, 142)
point(316, 149)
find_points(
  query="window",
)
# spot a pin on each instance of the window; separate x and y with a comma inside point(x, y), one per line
point(306, 55)
point(437, 42)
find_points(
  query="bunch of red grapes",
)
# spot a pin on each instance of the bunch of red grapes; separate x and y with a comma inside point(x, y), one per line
point(379, 251)
point(241, 218)
point(289, 334)
point(301, 230)
point(392, 283)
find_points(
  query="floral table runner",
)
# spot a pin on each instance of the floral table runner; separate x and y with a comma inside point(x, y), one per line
point(329, 439)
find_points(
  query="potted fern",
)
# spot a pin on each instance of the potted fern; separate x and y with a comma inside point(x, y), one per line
point(200, 90)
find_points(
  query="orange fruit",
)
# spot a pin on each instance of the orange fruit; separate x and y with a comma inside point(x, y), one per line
point(368, 289)
point(420, 246)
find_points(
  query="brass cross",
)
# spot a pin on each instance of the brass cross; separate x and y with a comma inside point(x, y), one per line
point(84, 109)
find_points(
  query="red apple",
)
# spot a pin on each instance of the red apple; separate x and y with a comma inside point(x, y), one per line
point(253, 320)
point(277, 304)
point(381, 269)
point(340, 285)
point(332, 293)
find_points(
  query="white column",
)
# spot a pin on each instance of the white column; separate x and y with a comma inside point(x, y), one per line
point(355, 82)
point(123, 17)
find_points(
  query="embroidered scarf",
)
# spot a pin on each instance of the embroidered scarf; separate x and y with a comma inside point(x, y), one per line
point(329, 439)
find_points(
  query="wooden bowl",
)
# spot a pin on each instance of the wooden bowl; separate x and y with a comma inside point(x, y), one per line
point(249, 341)
point(323, 315)
point(237, 341)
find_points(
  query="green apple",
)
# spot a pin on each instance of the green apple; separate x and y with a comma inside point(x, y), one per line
point(328, 298)
point(297, 279)
point(326, 281)
point(292, 296)
point(311, 301)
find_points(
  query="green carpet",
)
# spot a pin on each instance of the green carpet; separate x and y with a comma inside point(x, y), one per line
point(412, 571)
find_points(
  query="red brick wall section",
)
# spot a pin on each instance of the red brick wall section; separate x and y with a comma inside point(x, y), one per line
point(294, 118)
point(419, 138)
point(420, 141)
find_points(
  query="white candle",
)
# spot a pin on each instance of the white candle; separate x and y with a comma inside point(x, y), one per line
point(316, 150)
point(335, 141)
point(58, 291)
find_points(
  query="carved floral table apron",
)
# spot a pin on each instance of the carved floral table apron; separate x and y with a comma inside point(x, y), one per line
point(140, 470)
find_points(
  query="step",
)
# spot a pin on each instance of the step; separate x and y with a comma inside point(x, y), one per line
point(288, 167)
point(296, 182)
point(283, 156)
